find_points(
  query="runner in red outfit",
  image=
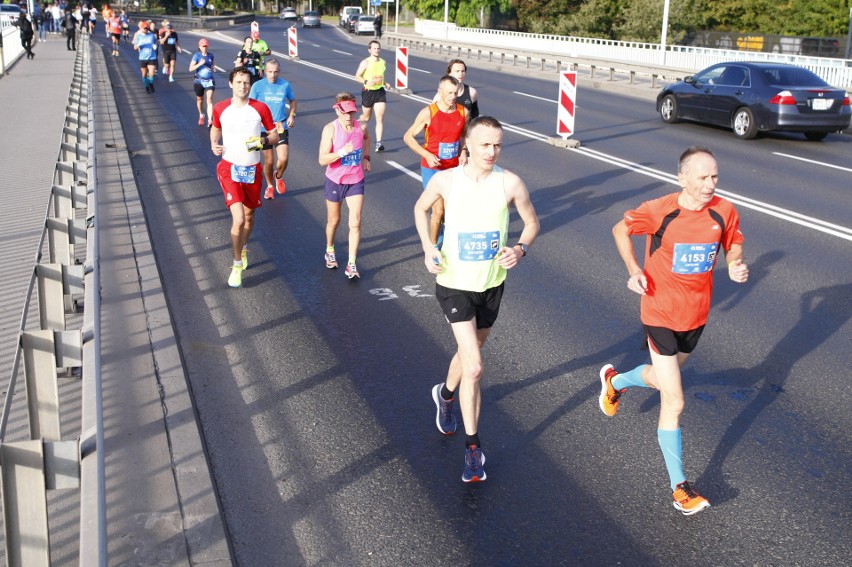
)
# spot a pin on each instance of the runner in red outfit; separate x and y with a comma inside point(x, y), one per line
point(238, 122)
point(445, 123)
point(685, 232)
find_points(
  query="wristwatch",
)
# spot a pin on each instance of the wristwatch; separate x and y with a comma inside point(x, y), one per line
point(524, 248)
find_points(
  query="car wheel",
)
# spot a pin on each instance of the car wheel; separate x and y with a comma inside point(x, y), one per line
point(815, 136)
point(743, 124)
point(668, 109)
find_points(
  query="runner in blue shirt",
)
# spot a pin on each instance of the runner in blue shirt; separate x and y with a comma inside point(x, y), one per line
point(205, 83)
point(145, 42)
point(277, 94)
point(125, 26)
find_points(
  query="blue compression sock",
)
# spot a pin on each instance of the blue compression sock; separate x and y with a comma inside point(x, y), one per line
point(631, 378)
point(671, 444)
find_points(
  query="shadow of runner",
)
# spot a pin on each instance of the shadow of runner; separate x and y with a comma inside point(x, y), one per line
point(823, 312)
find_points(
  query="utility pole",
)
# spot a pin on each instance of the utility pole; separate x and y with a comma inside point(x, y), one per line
point(849, 37)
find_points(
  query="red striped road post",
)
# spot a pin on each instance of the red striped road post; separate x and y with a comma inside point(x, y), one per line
point(567, 104)
point(565, 112)
point(293, 42)
point(401, 84)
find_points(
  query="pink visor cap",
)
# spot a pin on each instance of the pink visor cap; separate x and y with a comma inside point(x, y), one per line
point(346, 106)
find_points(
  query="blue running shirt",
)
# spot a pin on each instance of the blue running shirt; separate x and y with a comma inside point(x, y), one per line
point(275, 95)
point(147, 43)
point(205, 72)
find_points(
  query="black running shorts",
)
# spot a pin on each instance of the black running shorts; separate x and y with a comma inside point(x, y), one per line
point(459, 305)
point(283, 140)
point(668, 343)
point(369, 98)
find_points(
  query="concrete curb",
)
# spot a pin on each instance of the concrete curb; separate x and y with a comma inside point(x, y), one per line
point(196, 518)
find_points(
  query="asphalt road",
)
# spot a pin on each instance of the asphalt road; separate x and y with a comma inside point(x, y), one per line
point(313, 391)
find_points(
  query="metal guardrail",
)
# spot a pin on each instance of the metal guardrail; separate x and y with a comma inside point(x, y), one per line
point(542, 61)
point(10, 45)
point(674, 59)
point(46, 461)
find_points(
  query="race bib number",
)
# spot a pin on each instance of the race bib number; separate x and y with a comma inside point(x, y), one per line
point(353, 158)
point(694, 258)
point(478, 246)
point(171, 40)
point(206, 83)
point(448, 150)
point(243, 173)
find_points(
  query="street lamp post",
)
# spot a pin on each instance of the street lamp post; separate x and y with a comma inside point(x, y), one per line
point(664, 32)
point(849, 37)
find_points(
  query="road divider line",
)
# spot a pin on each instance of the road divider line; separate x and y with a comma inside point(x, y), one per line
point(406, 171)
point(535, 97)
point(754, 204)
point(822, 163)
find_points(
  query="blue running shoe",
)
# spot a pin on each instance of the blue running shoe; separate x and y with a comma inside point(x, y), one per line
point(444, 418)
point(474, 460)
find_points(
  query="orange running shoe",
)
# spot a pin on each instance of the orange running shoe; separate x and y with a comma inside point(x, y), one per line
point(608, 400)
point(687, 500)
point(280, 186)
point(201, 120)
point(270, 193)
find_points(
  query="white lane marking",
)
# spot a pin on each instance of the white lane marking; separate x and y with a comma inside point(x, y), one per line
point(771, 210)
point(747, 202)
point(814, 162)
point(315, 45)
point(420, 70)
point(408, 172)
point(338, 51)
point(418, 98)
point(535, 97)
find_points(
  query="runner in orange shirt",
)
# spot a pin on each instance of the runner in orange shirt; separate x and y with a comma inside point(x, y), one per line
point(114, 24)
point(685, 231)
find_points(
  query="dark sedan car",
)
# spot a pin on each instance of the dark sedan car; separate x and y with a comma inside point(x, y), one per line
point(757, 97)
point(352, 22)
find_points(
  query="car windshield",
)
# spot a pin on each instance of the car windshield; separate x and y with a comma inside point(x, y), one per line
point(792, 77)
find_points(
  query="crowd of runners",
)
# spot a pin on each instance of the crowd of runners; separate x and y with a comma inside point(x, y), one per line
point(462, 219)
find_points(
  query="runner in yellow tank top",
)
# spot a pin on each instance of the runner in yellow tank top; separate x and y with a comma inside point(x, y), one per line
point(371, 74)
point(471, 267)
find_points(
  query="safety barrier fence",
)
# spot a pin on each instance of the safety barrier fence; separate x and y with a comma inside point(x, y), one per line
point(620, 56)
point(63, 284)
point(10, 44)
point(551, 62)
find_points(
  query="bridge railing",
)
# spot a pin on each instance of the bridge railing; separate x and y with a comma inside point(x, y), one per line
point(48, 458)
point(674, 58)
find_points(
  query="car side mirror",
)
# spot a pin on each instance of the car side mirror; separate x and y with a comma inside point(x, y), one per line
point(689, 79)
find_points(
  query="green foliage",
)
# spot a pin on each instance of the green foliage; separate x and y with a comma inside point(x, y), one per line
point(641, 20)
point(461, 13)
point(468, 14)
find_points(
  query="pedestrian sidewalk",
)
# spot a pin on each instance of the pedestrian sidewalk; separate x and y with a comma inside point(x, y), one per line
point(161, 503)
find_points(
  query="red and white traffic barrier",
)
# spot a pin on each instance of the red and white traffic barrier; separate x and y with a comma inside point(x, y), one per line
point(567, 103)
point(401, 68)
point(293, 42)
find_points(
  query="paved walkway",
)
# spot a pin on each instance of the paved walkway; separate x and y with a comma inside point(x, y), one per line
point(161, 504)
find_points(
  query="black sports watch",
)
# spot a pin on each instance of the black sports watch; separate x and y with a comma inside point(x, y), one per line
point(524, 248)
